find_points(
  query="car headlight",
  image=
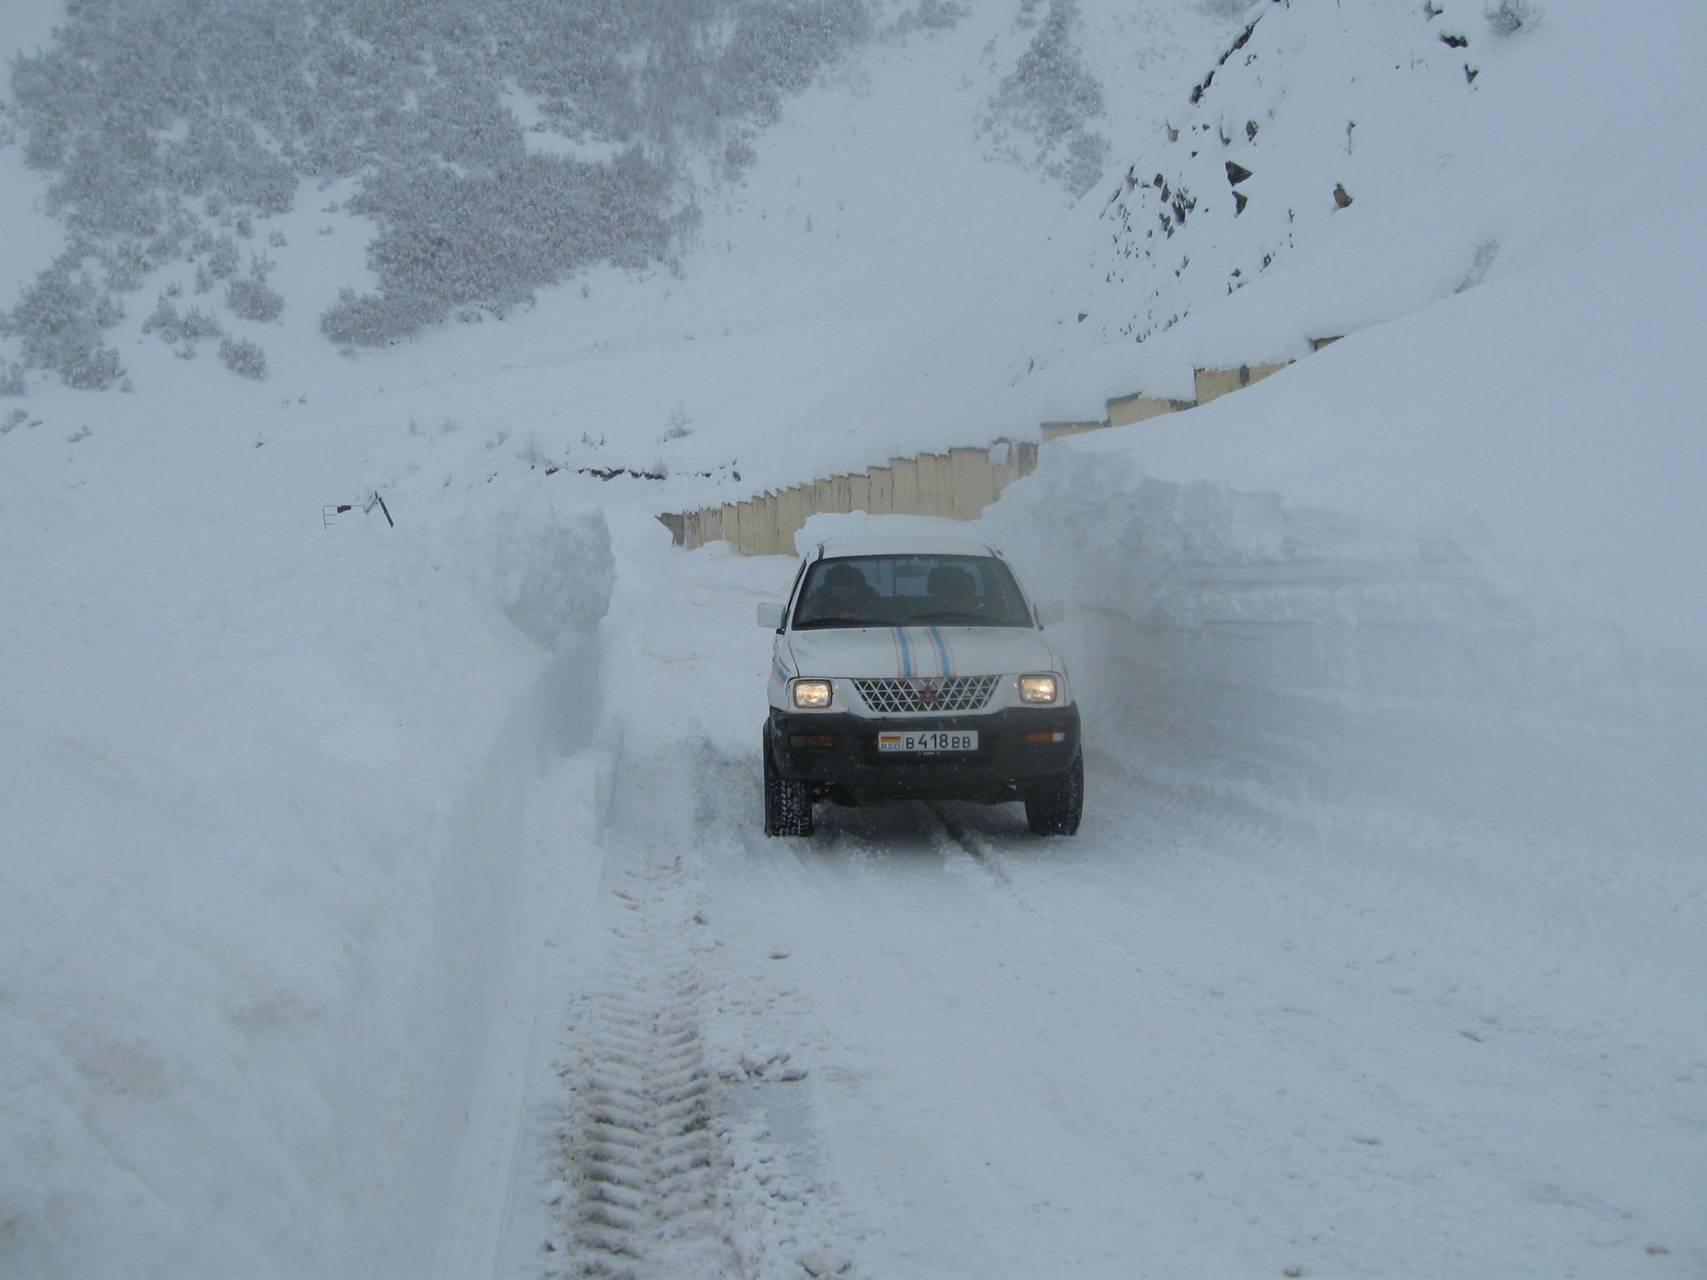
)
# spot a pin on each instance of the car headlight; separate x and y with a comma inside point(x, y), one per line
point(1038, 689)
point(812, 695)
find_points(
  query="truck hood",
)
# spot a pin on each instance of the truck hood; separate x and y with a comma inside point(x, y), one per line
point(866, 652)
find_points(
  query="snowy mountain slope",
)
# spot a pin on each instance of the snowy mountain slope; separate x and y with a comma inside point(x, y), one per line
point(1564, 137)
point(340, 856)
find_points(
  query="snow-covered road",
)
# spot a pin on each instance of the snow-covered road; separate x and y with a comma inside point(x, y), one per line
point(1200, 1039)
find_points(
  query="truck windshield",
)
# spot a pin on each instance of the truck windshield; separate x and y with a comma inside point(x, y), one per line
point(909, 590)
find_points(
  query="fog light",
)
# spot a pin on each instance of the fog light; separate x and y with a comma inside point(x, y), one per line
point(1044, 737)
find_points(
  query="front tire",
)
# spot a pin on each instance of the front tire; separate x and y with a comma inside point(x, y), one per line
point(788, 802)
point(1054, 806)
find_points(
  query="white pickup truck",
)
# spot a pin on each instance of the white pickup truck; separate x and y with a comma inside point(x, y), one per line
point(915, 667)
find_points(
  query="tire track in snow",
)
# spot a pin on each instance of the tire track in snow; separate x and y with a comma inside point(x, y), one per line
point(641, 1151)
point(982, 854)
point(688, 1145)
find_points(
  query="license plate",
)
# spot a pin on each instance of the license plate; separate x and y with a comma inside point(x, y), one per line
point(929, 741)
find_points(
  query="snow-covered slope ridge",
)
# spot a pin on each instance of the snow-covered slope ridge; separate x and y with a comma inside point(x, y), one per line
point(1464, 155)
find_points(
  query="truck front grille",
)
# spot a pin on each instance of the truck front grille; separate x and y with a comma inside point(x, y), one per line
point(922, 693)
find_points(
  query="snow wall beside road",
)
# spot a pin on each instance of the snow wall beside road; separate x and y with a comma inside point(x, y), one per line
point(263, 845)
point(1434, 578)
point(1295, 662)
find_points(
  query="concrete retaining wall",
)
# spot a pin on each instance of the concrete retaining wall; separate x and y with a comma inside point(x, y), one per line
point(958, 484)
point(1126, 410)
point(1212, 384)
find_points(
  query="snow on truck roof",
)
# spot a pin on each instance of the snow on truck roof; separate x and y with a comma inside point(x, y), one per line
point(897, 544)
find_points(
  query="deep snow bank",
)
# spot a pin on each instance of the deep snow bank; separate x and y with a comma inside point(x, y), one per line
point(263, 788)
point(1457, 554)
point(1434, 591)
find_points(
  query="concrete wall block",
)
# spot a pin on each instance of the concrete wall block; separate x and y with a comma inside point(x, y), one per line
point(767, 543)
point(1214, 383)
point(906, 471)
point(859, 493)
point(1055, 430)
point(841, 493)
point(933, 484)
point(790, 516)
point(1026, 451)
point(882, 490)
point(972, 482)
point(1125, 410)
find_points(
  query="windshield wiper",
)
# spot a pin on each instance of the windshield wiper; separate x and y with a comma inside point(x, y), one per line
point(837, 622)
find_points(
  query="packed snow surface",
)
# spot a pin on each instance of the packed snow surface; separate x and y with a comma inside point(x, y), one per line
point(389, 898)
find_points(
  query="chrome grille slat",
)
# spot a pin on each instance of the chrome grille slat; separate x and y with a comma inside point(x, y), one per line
point(902, 694)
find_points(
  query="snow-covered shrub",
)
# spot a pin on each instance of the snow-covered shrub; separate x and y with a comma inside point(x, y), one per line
point(1507, 17)
point(777, 47)
point(929, 15)
point(1049, 95)
point(450, 240)
point(93, 370)
point(223, 111)
point(198, 324)
point(58, 324)
point(251, 297)
point(244, 357)
point(126, 263)
point(222, 262)
point(12, 380)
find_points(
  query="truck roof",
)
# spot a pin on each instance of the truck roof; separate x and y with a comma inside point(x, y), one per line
point(926, 544)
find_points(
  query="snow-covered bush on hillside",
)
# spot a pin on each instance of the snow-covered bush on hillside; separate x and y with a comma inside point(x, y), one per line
point(251, 297)
point(1507, 17)
point(930, 15)
point(159, 148)
point(777, 47)
point(243, 357)
point(174, 327)
point(449, 240)
point(58, 324)
point(1049, 96)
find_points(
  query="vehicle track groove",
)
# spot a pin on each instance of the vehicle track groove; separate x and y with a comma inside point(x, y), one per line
point(641, 1149)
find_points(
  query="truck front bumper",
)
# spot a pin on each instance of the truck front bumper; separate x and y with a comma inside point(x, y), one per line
point(837, 754)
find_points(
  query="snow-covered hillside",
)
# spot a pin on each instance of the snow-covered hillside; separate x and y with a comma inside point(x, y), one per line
point(389, 899)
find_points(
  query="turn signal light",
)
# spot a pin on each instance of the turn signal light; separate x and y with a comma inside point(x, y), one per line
point(1045, 737)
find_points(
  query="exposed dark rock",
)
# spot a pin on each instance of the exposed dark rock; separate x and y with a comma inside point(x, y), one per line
point(1236, 173)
